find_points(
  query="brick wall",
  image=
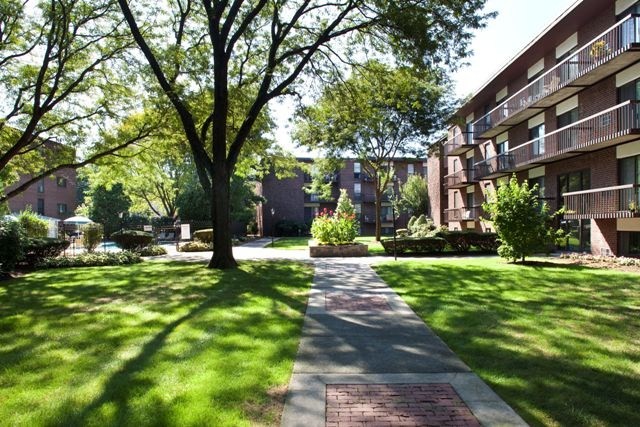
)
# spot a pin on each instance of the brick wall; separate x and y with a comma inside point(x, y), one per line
point(53, 195)
point(598, 24)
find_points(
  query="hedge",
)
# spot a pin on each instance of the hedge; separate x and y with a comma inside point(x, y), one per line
point(151, 250)
point(204, 236)
point(457, 241)
point(38, 248)
point(91, 260)
point(420, 245)
point(195, 246)
point(130, 240)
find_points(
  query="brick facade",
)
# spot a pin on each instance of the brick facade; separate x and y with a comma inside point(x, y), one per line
point(290, 202)
point(54, 196)
point(592, 144)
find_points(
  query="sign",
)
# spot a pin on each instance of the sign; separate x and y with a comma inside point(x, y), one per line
point(185, 231)
point(148, 228)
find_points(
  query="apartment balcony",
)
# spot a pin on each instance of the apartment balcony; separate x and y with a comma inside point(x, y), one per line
point(472, 213)
point(384, 219)
point(621, 201)
point(610, 127)
point(459, 144)
point(494, 167)
point(610, 52)
point(460, 179)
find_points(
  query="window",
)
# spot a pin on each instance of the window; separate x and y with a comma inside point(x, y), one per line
point(314, 197)
point(410, 169)
point(310, 212)
point(487, 190)
point(358, 209)
point(469, 130)
point(62, 208)
point(455, 200)
point(424, 169)
point(455, 165)
point(357, 191)
point(470, 202)
point(356, 170)
point(61, 181)
point(573, 181)
point(40, 208)
point(41, 186)
point(565, 119)
point(536, 134)
point(629, 170)
point(503, 157)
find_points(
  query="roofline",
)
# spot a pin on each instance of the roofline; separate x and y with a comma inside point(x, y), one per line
point(522, 51)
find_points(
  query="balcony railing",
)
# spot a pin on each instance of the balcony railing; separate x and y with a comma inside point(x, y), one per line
point(472, 213)
point(592, 132)
point(622, 201)
point(459, 144)
point(494, 166)
point(565, 78)
point(383, 219)
point(460, 178)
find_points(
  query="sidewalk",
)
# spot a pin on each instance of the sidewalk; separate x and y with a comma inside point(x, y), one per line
point(366, 359)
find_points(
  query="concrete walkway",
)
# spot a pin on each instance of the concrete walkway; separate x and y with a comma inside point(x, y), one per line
point(366, 359)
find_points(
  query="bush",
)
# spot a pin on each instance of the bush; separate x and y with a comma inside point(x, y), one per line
point(420, 227)
point(12, 240)
point(152, 250)
point(289, 228)
point(33, 225)
point(37, 249)
point(204, 236)
point(91, 260)
point(462, 241)
point(195, 246)
point(92, 236)
point(131, 239)
point(402, 232)
point(423, 245)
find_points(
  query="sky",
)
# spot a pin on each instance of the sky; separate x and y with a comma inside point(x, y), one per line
point(518, 22)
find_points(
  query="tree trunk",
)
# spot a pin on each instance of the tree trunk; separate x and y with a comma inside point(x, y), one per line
point(378, 210)
point(220, 214)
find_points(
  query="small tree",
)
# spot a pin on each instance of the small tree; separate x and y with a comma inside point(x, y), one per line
point(414, 195)
point(520, 218)
point(345, 207)
point(33, 225)
point(92, 236)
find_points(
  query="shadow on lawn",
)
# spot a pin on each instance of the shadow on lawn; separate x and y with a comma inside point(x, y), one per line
point(180, 299)
point(559, 342)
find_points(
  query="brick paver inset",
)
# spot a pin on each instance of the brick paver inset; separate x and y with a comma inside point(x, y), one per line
point(391, 405)
point(351, 301)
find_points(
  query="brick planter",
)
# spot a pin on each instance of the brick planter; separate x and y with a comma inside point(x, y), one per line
point(354, 250)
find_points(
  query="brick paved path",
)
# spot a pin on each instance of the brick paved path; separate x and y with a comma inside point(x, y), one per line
point(365, 359)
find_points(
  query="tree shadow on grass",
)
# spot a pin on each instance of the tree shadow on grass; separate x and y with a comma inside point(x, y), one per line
point(556, 342)
point(191, 303)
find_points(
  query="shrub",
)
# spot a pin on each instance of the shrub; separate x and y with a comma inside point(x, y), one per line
point(152, 250)
point(92, 236)
point(420, 227)
point(331, 229)
point(462, 241)
point(204, 236)
point(12, 240)
point(423, 245)
point(131, 239)
point(33, 225)
point(290, 228)
point(91, 260)
point(195, 246)
point(402, 232)
point(37, 249)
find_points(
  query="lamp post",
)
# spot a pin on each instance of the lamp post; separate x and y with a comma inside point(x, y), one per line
point(273, 227)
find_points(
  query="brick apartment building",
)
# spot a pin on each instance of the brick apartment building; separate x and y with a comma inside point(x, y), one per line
point(564, 114)
point(54, 196)
point(290, 202)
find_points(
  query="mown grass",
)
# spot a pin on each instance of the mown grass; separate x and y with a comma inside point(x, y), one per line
point(159, 343)
point(302, 243)
point(561, 344)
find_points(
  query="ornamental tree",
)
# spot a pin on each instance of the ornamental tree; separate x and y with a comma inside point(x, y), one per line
point(521, 219)
point(257, 51)
point(414, 195)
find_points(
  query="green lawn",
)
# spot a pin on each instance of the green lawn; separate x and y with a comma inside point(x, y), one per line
point(152, 344)
point(561, 344)
point(302, 243)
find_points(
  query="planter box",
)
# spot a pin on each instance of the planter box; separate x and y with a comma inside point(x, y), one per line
point(320, 251)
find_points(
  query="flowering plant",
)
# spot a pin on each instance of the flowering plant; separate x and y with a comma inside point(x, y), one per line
point(336, 228)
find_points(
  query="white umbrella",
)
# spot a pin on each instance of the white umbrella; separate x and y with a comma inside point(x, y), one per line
point(78, 220)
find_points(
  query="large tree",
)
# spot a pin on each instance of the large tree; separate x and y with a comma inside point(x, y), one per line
point(262, 49)
point(64, 81)
point(377, 114)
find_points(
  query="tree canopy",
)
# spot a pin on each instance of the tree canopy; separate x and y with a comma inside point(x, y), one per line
point(66, 78)
point(414, 195)
point(245, 54)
